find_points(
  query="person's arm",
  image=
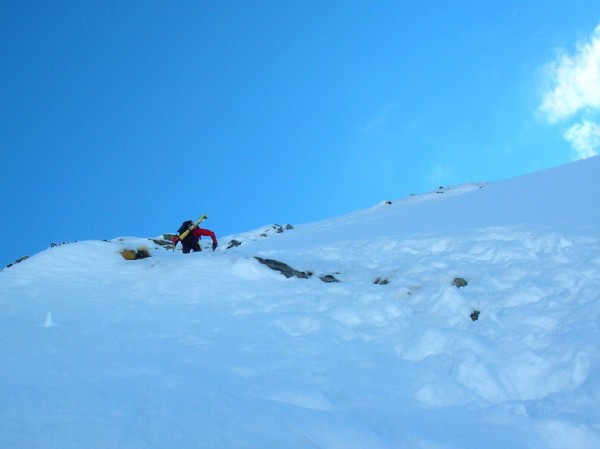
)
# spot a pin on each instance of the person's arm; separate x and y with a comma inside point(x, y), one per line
point(207, 233)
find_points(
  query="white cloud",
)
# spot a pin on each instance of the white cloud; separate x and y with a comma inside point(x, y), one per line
point(584, 138)
point(576, 81)
point(575, 89)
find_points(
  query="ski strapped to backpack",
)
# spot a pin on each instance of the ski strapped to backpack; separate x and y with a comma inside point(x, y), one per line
point(185, 233)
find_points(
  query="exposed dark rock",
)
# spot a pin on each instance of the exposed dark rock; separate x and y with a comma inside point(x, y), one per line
point(233, 244)
point(165, 241)
point(19, 260)
point(283, 268)
point(328, 278)
point(54, 245)
point(475, 315)
point(382, 281)
point(459, 282)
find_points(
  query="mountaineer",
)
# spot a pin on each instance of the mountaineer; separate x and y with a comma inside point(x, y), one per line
point(189, 235)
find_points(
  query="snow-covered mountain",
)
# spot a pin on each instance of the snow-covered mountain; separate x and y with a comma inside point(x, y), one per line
point(468, 317)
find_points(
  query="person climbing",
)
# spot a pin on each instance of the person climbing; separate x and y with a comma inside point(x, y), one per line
point(191, 241)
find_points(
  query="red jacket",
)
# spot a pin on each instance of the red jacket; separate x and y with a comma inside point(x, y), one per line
point(198, 232)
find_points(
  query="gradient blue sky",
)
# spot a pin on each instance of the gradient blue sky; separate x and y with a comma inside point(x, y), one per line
point(125, 118)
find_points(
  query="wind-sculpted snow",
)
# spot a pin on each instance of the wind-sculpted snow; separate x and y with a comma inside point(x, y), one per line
point(216, 350)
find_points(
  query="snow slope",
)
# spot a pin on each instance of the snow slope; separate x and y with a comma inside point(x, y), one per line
point(215, 350)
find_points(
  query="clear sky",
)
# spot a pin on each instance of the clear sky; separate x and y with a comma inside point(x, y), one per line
point(126, 118)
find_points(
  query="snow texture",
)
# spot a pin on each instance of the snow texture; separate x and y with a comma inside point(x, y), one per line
point(216, 350)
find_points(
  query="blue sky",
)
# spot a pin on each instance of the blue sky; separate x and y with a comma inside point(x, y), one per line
point(126, 118)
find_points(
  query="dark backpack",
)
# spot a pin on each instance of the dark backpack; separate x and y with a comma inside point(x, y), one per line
point(185, 226)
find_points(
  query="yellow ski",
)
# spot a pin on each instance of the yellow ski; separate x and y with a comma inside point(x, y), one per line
point(185, 233)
